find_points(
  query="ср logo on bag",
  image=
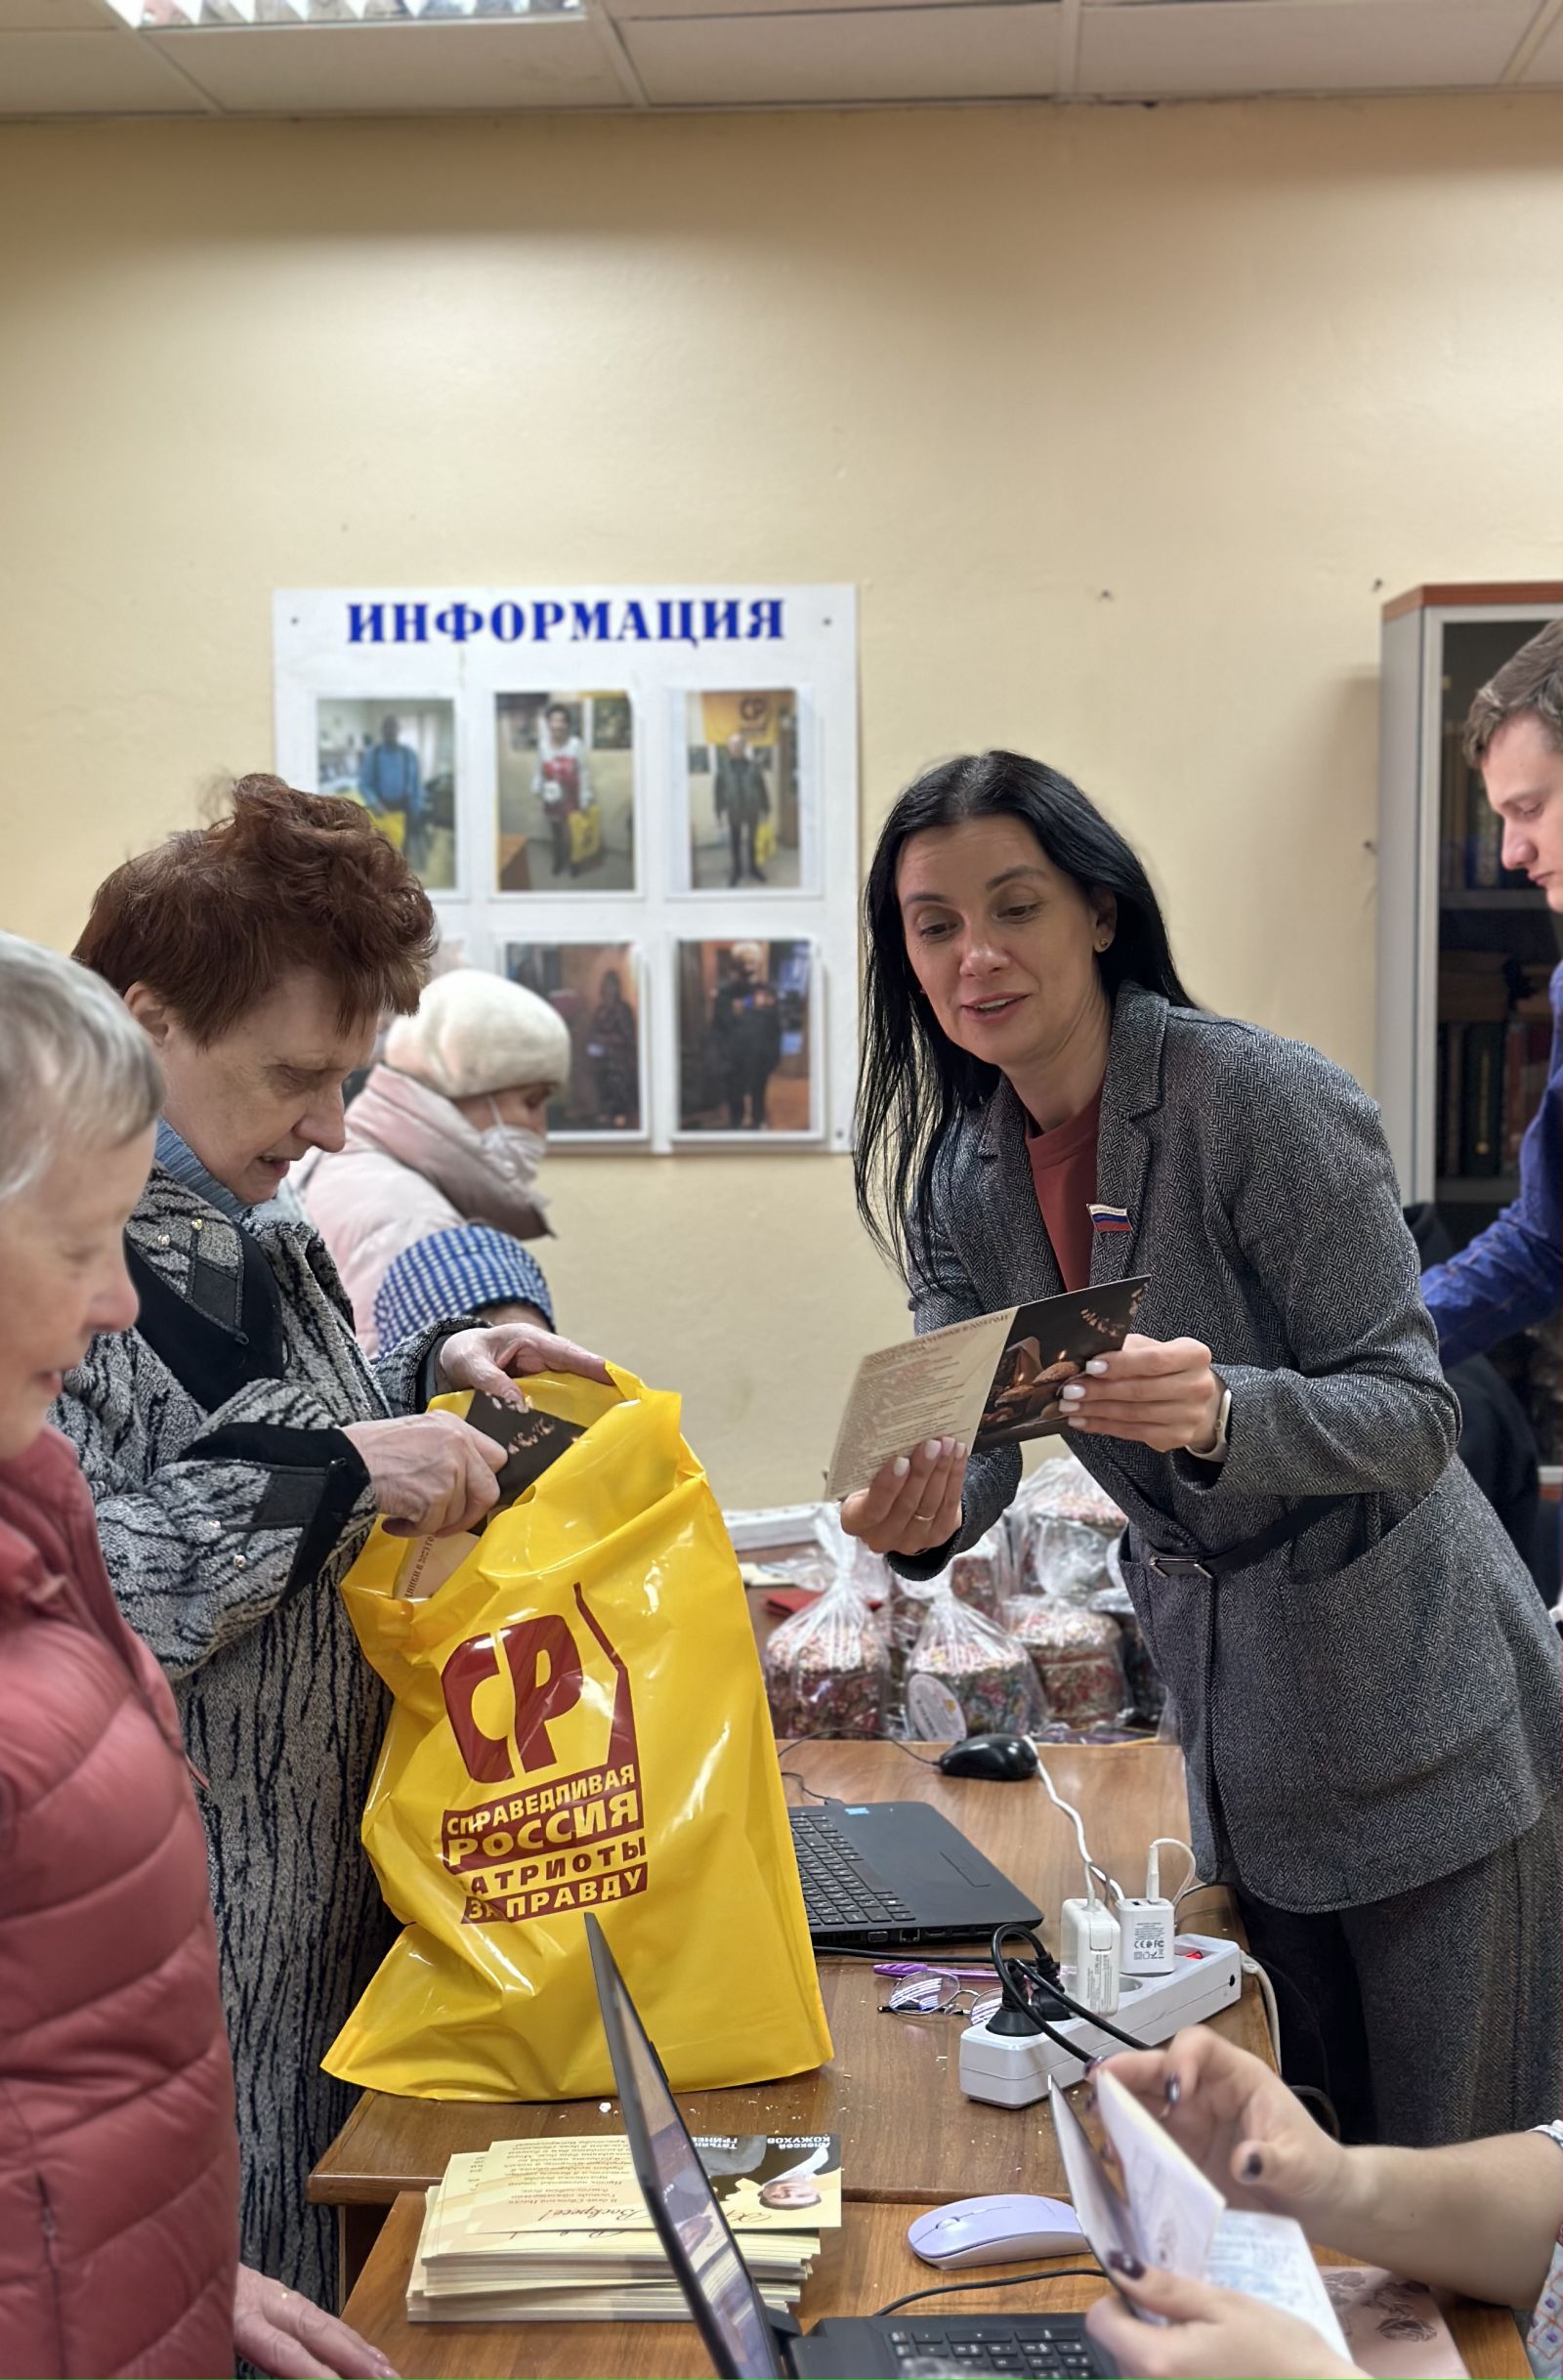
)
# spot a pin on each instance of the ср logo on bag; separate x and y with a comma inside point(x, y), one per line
point(543, 1700)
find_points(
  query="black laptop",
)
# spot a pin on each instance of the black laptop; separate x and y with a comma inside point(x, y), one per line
point(879, 1874)
point(744, 2339)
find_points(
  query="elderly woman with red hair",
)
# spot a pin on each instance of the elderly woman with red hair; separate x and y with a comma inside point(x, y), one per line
point(237, 1442)
point(119, 2162)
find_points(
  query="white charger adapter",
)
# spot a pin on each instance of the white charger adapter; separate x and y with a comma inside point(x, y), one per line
point(1149, 1929)
point(1090, 1942)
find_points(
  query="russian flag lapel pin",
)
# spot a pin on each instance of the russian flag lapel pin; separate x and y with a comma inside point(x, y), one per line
point(1109, 1218)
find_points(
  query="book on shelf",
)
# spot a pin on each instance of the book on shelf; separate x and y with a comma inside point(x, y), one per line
point(1451, 1074)
point(1482, 1100)
point(555, 2230)
point(1485, 842)
point(1528, 1059)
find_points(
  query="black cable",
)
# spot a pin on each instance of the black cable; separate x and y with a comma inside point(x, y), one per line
point(1015, 2280)
point(833, 1799)
point(910, 1754)
point(1025, 1984)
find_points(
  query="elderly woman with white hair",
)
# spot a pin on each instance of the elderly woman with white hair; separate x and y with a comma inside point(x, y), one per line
point(450, 1129)
point(118, 2156)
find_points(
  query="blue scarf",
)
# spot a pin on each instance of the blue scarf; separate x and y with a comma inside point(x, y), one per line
point(178, 1158)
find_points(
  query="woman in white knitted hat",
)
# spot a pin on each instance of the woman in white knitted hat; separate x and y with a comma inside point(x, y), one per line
point(450, 1128)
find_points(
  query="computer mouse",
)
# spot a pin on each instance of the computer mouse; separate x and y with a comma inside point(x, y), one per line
point(1008, 1759)
point(1000, 2230)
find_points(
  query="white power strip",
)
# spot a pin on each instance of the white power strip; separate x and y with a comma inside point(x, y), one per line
point(1011, 2071)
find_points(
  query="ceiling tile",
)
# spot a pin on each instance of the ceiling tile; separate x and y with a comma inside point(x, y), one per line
point(769, 7)
point(829, 57)
point(56, 16)
point(1547, 66)
point(105, 73)
point(1139, 49)
point(379, 69)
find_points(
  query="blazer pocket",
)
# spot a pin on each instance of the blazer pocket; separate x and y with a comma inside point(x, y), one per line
point(1400, 1662)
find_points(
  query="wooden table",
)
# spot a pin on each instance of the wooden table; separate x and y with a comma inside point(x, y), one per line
point(890, 2090)
point(865, 2264)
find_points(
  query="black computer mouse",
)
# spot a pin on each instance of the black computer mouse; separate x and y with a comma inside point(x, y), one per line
point(1007, 1759)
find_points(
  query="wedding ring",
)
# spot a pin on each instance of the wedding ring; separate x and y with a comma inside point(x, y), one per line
point(924, 1518)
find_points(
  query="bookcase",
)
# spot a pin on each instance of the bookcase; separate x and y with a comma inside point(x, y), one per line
point(1465, 949)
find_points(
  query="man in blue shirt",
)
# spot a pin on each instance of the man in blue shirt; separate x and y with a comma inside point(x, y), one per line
point(1513, 1273)
point(390, 779)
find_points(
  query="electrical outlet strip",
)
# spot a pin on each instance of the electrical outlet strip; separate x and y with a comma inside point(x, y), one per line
point(1012, 2070)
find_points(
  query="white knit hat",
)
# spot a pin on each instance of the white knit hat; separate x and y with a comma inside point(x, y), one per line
point(475, 1033)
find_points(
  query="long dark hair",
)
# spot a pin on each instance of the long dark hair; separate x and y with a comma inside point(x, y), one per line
point(914, 1084)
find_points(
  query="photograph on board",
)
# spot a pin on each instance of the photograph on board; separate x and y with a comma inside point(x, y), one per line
point(565, 779)
point(748, 1036)
point(594, 986)
point(397, 757)
point(742, 777)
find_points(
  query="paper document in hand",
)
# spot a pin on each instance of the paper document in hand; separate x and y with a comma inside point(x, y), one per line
point(1168, 2215)
point(992, 1381)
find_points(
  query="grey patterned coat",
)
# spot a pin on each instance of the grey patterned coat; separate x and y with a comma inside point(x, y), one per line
point(228, 1508)
point(1375, 1705)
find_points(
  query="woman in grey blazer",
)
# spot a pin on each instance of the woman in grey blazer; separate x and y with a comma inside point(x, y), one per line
point(1368, 1688)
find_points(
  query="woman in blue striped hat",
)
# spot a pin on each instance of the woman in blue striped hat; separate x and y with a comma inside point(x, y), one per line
point(469, 1269)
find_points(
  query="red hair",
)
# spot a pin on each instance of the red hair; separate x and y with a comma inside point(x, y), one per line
point(213, 919)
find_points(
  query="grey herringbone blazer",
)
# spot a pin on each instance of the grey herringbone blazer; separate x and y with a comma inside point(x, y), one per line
point(1377, 1704)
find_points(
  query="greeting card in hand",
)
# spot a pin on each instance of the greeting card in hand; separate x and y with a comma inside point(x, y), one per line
point(991, 1382)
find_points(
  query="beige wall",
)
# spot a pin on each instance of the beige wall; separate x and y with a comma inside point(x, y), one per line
point(1123, 421)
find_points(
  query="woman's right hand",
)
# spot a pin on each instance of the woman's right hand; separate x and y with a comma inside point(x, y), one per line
point(913, 1504)
point(1240, 2125)
point(433, 1475)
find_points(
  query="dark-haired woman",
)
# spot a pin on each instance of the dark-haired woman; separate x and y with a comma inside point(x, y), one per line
point(1366, 1685)
point(239, 1444)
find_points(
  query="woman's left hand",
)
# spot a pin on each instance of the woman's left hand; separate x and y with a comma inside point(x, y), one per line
point(488, 1359)
point(1160, 1392)
point(1210, 2334)
point(291, 2337)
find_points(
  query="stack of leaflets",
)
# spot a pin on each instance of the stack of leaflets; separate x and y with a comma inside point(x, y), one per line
point(555, 2230)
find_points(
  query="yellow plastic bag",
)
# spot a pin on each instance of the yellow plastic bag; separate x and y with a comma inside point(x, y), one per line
point(764, 843)
point(586, 834)
point(580, 1723)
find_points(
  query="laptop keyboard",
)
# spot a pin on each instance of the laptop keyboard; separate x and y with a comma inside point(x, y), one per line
point(1042, 2347)
point(839, 1893)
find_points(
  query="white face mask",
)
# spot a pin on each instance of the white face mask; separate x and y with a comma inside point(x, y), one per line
point(514, 1151)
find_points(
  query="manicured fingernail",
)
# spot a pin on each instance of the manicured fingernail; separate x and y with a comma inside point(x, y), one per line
point(1129, 2266)
point(1252, 2166)
point(1174, 2091)
point(1073, 1394)
point(933, 1449)
point(1096, 1366)
point(900, 1467)
point(962, 1449)
point(1091, 2064)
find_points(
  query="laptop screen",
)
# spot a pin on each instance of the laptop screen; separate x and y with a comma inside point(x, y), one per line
point(723, 2299)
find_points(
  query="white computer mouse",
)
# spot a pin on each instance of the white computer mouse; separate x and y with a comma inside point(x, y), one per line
point(996, 2231)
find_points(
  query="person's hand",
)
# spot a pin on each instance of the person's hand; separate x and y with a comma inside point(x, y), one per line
point(285, 2334)
point(1210, 2334)
point(1162, 1393)
point(433, 1475)
point(1234, 2116)
point(913, 1503)
point(489, 1359)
